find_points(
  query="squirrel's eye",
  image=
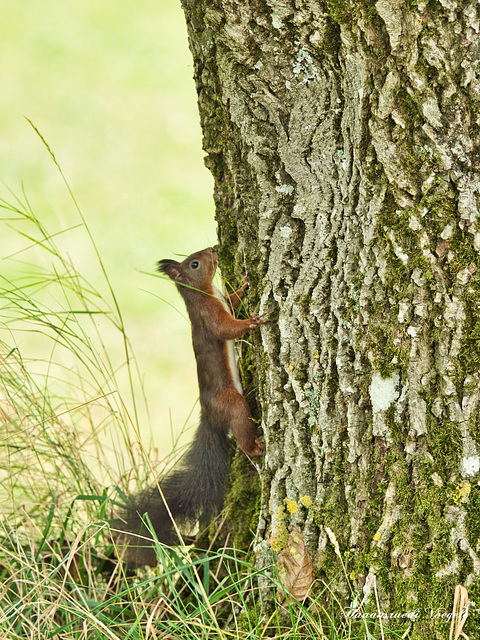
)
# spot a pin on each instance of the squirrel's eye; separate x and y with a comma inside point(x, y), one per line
point(195, 264)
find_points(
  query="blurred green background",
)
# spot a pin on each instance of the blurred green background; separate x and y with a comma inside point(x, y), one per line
point(109, 85)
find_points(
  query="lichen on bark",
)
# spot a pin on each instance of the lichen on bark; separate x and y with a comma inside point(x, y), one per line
point(344, 141)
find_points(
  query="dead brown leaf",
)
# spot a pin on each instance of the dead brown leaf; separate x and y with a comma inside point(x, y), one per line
point(295, 569)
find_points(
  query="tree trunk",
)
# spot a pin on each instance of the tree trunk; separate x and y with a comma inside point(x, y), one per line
point(343, 137)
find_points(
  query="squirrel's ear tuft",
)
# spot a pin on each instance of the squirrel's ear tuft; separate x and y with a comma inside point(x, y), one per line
point(170, 268)
point(163, 264)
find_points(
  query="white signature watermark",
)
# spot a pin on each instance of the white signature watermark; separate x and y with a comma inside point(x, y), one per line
point(440, 614)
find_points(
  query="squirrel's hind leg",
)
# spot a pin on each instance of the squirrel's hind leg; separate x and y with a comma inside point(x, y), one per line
point(243, 427)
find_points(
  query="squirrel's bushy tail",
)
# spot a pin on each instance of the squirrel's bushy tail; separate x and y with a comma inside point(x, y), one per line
point(194, 490)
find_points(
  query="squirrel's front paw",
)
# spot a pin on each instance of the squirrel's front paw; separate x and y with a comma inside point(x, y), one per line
point(255, 320)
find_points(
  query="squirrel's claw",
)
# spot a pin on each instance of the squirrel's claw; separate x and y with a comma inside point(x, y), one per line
point(255, 320)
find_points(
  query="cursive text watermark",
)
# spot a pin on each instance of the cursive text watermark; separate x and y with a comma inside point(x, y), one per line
point(415, 614)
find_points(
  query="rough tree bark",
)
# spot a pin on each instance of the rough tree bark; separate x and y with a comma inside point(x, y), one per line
point(343, 136)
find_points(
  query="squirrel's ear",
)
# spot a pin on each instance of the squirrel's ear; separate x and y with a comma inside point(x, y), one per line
point(170, 267)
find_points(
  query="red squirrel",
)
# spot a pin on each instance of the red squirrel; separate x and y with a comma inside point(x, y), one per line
point(195, 489)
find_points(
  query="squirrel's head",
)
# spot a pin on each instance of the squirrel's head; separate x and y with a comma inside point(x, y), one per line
point(196, 271)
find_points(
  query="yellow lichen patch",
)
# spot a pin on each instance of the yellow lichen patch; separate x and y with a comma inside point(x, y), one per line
point(279, 537)
point(462, 492)
point(292, 506)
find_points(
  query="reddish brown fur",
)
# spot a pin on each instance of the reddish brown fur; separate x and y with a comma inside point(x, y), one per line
point(223, 407)
point(195, 489)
